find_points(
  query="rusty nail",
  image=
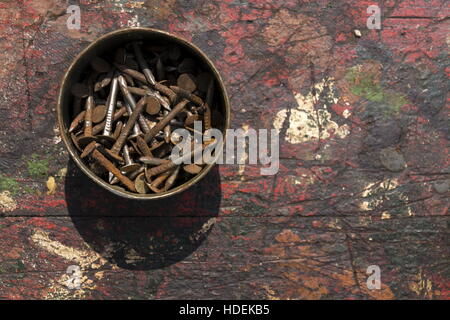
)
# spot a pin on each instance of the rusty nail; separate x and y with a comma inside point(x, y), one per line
point(143, 64)
point(78, 119)
point(134, 174)
point(143, 147)
point(136, 129)
point(207, 117)
point(167, 133)
point(126, 130)
point(75, 141)
point(171, 179)
point(99, 127)
point(152, 160)
point(129, 166)
point(140, 184)
point(104, 81)
point(192, 168)
point(89, 106)
point(130, 100)
point(161, 124)
point(152, 105)
point(186, 81)
point(108, 165)
point(119, 126)
point(160, 169)
point(111, 105)
point(131, 72)
point(99, 113)
point(137, 91)
point(187, 95)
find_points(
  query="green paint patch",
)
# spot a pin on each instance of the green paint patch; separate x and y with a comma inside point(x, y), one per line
point(364, 83)
point(28, 189)
point(37, 167)
point(8, 184)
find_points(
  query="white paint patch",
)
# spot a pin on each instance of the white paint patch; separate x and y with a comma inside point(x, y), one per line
point(51, 185)
point(385, 215)
point(134, 22)
point(130, 6)
point(205, 228)
point(83, 258)
point(346, 113)
point(308, 123)
point(57, 137)
point(86, 259)
point(374, 192)
point(7, 203)
point(370, 189)
point(301, 179)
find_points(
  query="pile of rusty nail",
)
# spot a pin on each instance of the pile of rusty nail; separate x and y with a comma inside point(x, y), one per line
point(133, 101)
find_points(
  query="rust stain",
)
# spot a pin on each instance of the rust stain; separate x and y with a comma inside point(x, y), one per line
point(287, 236)
point(422, 286)
point(303, 268)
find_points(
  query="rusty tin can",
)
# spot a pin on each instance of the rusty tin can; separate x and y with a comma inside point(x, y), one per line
point(107, 43)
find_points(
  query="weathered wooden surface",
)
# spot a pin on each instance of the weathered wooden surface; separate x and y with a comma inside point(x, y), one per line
point(364, 169)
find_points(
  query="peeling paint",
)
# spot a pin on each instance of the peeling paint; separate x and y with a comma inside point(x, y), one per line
point(83, 258)
point(62, 173)
point(364, 81)
point(287, 236)
point(307, 122)
point(58, 289)
point(376, 193)
point(7, 203)
point(205, 228)
point(51, 185)
point(270, 294)
point(57, 137)
point(385, 215)
point(422, 286)
point(346, 113)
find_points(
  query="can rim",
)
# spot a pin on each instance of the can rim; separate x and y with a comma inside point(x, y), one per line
point(74, 154)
